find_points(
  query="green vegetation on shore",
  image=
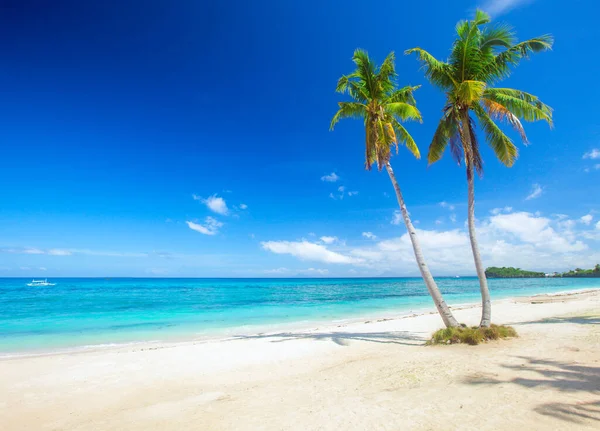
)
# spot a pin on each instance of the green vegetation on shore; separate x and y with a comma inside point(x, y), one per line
point(510, 272)
point(473, 336)
point(583, 272)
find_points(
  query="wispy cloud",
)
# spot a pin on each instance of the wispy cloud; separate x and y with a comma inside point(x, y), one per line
point(211, 226)
point(59, 252)
point(214, 203)
point(243, 206)
point(587, 219)
point(396, 217)
point(499, 7)
point(329, 239)
point(536, 192)
point(331, 178)
point(308, 251)
point(447, 205)
point(497, 211)
point(369, 235)
point(592, 154)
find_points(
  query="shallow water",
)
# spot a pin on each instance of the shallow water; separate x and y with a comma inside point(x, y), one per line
point(88, 311)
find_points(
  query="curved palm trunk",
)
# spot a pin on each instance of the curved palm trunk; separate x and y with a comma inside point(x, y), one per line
point(435, 293)
point(486, 305)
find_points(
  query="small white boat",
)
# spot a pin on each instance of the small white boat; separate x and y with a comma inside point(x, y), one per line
point(36, 283)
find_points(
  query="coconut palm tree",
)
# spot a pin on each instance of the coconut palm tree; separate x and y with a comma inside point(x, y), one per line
point(377, 101)
point(481, 56)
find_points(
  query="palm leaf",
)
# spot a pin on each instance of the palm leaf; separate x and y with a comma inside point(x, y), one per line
point(348, 110)
point(403, 110)
point(523, 105)
point(503, 147)
point(405, 138)
point(438, 72)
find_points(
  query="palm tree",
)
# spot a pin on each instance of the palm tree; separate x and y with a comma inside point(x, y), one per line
point(481, 56)
point(382, 106)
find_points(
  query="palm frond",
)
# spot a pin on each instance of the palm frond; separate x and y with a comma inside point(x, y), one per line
point(366, 70)
point(352, 85)
point(438, 72)
point(386, 74)
point(476, 159)
point(404, 111)
point(497, 36)
point(404, 137)
point(498, 112)
point(502, 145)
point(523, 105)
point(404, 94)
point(499, 68)
point(348, 110)
point(447, 130)
point(469, 91)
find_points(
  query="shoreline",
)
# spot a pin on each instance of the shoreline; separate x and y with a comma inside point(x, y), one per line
point(361, 375)
point(289, 328)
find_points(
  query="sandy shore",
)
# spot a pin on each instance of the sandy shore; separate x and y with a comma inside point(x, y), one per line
point(372, 375)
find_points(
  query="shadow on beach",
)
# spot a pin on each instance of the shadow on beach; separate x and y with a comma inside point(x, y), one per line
point(580, 320)
point(562, 376)
point(344, 338)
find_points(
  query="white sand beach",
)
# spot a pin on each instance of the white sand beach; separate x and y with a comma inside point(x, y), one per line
point(372, 375)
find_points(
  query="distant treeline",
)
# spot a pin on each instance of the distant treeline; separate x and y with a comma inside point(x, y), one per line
point(583, 272)
point(510, 272)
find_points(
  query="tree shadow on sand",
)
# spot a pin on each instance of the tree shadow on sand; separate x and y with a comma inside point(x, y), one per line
point(344, 338)
point(577, 412)
point(579, 320)
point(565, 377)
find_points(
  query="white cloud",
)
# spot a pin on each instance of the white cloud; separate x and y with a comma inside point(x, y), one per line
point(534, 229)
point(453, 218)
point(243, 206)
point(24, 268)
point(331, 178)
point(277, 271)
point(519, 239)
point(587, 219)
point(369, 235)
point(214, 203)
point(397, 217)
point(312, 271)
point(32, 251)
point(43, 268)
point(210, 227)
point(59, 252)
point(308, 251)
point(496, 211)
point(498, 7)
point(592, 154)
point(536, 192)
point(341, 189)
point(444, 204)
point(329, 239)
point(352, 193)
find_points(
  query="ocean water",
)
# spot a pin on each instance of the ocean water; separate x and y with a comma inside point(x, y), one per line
point(79, 312)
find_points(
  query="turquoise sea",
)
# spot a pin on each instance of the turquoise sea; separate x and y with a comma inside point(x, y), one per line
point(79, 312)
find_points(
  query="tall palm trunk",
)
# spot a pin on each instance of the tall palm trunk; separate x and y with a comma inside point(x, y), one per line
point(435, 293)
point(486, 305)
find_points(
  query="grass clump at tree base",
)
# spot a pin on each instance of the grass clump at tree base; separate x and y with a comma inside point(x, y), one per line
point(472, 335)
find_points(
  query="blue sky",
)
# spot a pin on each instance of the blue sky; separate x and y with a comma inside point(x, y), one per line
point(191, 139)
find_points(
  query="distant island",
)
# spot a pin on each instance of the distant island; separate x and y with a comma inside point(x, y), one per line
point(510, 272)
